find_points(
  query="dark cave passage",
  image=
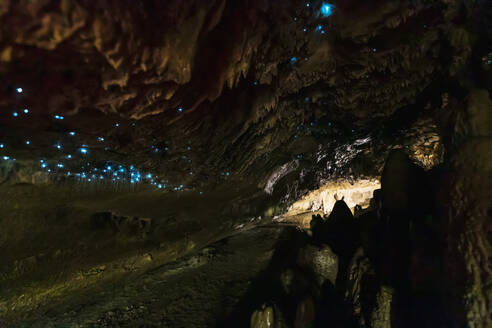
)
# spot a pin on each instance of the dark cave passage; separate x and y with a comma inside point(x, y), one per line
point(246, 163)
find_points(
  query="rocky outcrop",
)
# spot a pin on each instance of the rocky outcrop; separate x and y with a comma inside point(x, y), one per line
point(131, 226)
point(321, 261)
point(263, 318)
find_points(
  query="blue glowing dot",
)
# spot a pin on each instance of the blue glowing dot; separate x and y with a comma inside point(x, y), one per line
point(15, 114)
point(58, 146)
point(159, 186)
point(2, 145)
point(149, 176)
point(100, 139)
point(27, 142)
point(322, 32)
point(117, 124)
point(83, 150)
point(58, 117)
point(69, 156)
point(115, 174)
point(304, 29)
point(180, 109)
point(227, 173)
point(19, 90)
point(6, 158)
point(374, 49)
point(201, 192)
point(255, 83)
point(44, 165)
point(26, 110)
point(60, 165)
point(293, 60)
point(326, 9)
point(71, 133)
point(166, 148)
point(308, 4)
point(319, 28)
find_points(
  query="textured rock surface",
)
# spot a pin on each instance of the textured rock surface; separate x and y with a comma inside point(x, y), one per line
point(216, 115)
point(367, 74)
point(263, 318)
point(322, 261)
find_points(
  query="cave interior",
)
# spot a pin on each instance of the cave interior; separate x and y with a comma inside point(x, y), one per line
point(246, 163)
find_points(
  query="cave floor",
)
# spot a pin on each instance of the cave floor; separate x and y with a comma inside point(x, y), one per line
point(193, 291)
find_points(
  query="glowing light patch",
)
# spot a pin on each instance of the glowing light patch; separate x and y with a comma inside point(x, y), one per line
point(19, 90)
point(100, 139)
point(44, 165)
point(319, 27)
point(326, 9)
point(58, 117)
point(180, 109)
point(2, 145)
point(28, 142)
point(117, 124)
point(58, 146)
point(305, 29)
point(69, 156)
point(149, 176)
point(15, 114)
point(83, 150)
point(71, 133)
point(26, 110)
point(308, 4)
point(293, 60)
point(6, 158)
point(374, 50)
point(60, 165)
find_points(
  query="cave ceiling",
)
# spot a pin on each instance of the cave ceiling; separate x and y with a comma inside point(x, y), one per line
point(188, 94)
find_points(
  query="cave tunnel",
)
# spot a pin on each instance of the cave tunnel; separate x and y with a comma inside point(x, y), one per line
point(246, 163)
